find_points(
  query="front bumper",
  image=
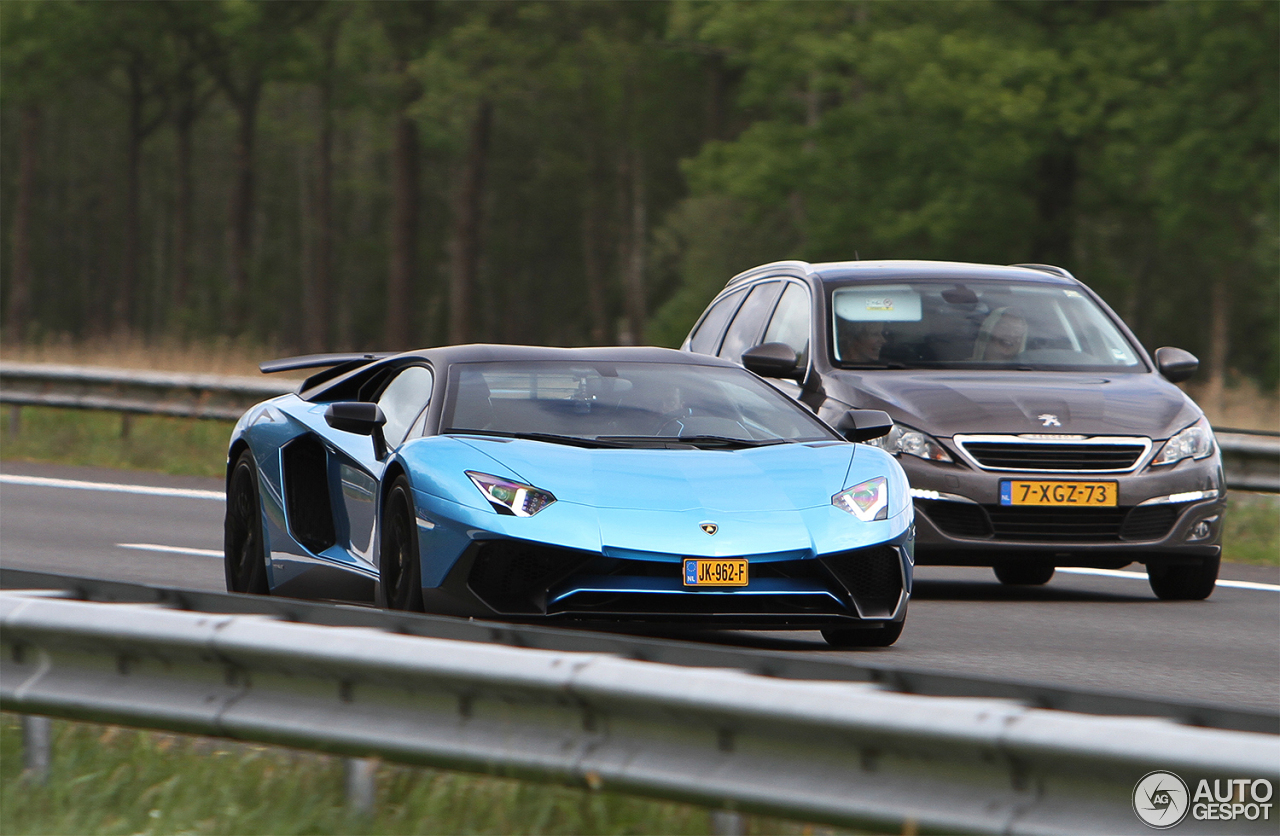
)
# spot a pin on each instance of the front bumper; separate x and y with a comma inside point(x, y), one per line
point(960, 521)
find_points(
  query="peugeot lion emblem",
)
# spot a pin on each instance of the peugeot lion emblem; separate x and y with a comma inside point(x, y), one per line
point(1049, 420)
point(709, 527)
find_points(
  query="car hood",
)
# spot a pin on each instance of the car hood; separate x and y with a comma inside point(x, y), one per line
point(944, 403)
point(776, 478)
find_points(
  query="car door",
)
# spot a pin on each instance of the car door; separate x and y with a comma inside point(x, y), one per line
point(402, 399)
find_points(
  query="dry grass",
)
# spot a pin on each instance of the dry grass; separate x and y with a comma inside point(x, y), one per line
point(1244, 406)
point(222, 356)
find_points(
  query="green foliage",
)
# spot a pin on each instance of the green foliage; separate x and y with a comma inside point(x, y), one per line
point(1134, 143)
point(110, 780)
point(1252, 529)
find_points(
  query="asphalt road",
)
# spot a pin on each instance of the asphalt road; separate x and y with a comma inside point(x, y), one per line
point(1102, 632)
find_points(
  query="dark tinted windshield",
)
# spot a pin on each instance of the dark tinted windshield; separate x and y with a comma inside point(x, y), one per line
point(991, 325)
point(624, 403)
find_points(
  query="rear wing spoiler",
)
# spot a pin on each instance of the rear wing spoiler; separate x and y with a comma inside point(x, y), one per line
point(333, 365)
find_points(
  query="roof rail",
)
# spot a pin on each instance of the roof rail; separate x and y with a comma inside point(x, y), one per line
point(1047, 268)
point(783, 267)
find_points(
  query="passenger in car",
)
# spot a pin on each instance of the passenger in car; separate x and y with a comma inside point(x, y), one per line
point(861, 342)
point(1002, 337)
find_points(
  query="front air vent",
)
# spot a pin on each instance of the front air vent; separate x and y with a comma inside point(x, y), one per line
point(872, 577)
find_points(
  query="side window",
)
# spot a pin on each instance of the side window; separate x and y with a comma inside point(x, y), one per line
point(747, 324)
point(706, 339)
point(402, 401)
point(790, 323)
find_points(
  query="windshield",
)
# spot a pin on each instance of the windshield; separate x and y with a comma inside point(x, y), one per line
point(987, 325)
point(624, 405)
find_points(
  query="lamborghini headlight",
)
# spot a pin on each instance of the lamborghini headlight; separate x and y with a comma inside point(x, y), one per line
point(509, 497)
point(911, 442)
point(1195, 442)
point(867, 500)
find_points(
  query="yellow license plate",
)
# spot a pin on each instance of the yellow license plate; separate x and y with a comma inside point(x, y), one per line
point(715, 572)
point(1060, 494)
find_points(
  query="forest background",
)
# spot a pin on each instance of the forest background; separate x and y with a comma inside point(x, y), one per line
point(382, 175)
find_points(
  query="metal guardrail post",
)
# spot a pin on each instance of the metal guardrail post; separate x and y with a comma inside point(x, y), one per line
point(36, 748)
point(361, 782)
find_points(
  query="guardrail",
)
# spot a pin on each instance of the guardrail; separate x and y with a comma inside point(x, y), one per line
point(1250, 459)
point(841, 753)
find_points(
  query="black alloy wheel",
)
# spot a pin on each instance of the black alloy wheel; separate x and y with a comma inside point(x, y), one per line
point(1193, 582)
point(1024, 574)
point(244, 558)
point(399, 572)
point(850, 637)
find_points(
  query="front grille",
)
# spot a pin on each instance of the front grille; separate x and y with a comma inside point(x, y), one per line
point(959, 519)
point(714, 604)
point(873, 577)
point(1064, 456)
point(1045, 525)
point(1150, 522)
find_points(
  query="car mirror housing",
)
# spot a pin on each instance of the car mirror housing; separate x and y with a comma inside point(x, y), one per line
point(864, 424)
point(771, 360)
point(361, 418)
point(1175, 364)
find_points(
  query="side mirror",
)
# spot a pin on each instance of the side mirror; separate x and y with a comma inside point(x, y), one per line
point(1175, 364)
point(864, 424)
point(771, 360)
point(361, 418)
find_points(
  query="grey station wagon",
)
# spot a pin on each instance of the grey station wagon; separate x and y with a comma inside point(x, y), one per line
point(1035, 430)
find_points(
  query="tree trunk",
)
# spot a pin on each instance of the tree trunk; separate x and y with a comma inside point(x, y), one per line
point(317, 284)
point(18, 311)
point(635, 269)
point(404, 232)
point(592, 269)
point(464, 246)
point(1219, 345)
point(240, 221)
point(182, 215)
point(126, 289)
point(1055, 189)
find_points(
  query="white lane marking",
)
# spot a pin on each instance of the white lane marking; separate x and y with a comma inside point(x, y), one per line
point(152, 547)
point(1142, 576)
point(45, 482)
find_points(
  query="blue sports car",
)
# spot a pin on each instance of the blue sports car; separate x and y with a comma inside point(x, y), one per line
point(575, 485)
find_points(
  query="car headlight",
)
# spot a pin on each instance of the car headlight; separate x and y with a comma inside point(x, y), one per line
point(911, 442)
point(509, 497)
point(1195, 442)
point(867, 500)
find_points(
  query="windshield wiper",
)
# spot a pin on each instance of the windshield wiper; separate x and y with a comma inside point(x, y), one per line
point(572, 440)
point(692, 440)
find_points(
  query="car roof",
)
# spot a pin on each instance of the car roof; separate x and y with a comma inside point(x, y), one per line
point(445, 356)
point(890, 269)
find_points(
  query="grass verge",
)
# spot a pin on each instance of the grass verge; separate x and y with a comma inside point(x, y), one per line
point(113, 780)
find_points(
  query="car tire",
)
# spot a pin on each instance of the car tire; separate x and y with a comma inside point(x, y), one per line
point(1183, 583)
point(244, 555)
point(399, 569)
point(846, 637)
point(1024, 574)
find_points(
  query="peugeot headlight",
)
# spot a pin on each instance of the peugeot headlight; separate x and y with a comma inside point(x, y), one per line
point(1195, 442)
point(509, 497)
point(867, 500)
point(911, 442)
